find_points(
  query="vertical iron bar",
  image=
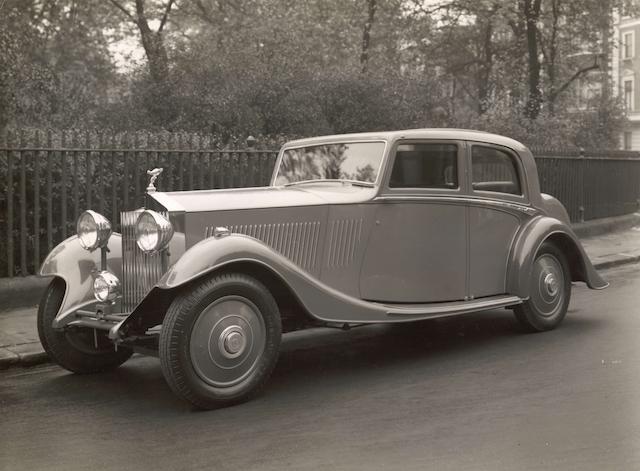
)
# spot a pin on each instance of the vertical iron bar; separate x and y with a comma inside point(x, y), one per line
point(50, 157)
point(88, 172)
point(23, 206)
point(36, 205)
point(180, 159)
point(191, 156)
point(63, 198)
point(125, 176)
point(76, 183)
point(136, 165)
point(10, 268)
point(114, 181)
point(170, 156)
point(100, 174)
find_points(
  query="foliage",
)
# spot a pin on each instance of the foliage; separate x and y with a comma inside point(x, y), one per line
point(283, 67)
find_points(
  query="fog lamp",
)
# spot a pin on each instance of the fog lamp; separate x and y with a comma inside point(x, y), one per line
point(106, 286)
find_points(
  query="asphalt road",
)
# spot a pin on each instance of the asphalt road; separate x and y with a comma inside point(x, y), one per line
point(463, 393)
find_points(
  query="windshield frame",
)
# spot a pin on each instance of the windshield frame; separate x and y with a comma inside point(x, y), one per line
point(286, 147)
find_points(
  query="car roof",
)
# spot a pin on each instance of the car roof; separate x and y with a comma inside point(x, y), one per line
point(425, 133)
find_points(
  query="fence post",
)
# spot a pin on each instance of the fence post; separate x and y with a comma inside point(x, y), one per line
point(23, 203)
point(581, 189)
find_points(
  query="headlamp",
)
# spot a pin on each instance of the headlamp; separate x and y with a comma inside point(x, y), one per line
point(93, 230)
point(153, 231)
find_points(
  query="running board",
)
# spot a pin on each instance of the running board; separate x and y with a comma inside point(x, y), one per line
point(451, 308)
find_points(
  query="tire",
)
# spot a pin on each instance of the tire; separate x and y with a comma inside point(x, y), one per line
point(74, 349)
point(550, 291)
point(220, 340)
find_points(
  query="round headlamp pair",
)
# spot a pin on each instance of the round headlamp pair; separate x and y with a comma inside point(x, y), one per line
point(153, 231)
point(93, 230)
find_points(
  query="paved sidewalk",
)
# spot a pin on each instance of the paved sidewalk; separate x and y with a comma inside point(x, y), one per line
point(19, 344)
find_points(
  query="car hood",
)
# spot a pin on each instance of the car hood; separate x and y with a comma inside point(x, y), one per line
point(264, 197)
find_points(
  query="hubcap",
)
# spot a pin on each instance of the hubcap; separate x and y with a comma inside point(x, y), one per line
point(232, 341)
point(227, 341)
point(548, 294)
point(551, 284)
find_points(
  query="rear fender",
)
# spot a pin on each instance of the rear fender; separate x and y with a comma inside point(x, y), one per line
point(529, 241)
point(77, 266)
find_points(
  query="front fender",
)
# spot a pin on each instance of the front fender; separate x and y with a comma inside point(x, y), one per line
point(320, 300)
point(76, 267)
point(529, 240)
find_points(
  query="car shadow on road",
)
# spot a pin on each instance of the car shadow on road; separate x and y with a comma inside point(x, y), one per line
point(341, 359)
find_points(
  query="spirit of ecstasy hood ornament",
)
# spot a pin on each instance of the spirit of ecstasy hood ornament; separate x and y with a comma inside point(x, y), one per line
point(155, 173)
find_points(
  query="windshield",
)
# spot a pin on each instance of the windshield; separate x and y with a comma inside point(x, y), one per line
point(357, 161)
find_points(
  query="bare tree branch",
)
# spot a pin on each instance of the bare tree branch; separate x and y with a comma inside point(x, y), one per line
point(123, 10)
point(573, 78)
point(165, 16)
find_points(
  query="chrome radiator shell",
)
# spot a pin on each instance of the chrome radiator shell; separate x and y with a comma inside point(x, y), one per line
point(140, 271)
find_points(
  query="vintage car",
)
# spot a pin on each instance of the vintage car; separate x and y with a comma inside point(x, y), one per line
point(383, 227)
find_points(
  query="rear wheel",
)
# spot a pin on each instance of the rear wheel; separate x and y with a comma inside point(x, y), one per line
point(220, 341)
point(75, 348)
point(550, 291)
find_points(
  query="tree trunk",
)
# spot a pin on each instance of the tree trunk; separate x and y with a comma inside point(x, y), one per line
point(366, 34)
point(154, 48)
point(531, 12)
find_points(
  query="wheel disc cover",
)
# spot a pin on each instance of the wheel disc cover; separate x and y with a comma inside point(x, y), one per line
point(548, 291)
point(227, 341)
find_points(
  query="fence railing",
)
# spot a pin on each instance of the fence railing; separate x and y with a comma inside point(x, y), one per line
point(47, 185)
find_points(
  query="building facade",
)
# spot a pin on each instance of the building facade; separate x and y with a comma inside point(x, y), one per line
point(625, 75)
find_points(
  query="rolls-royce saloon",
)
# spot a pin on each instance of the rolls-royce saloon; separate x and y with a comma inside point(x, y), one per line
point(382, 227)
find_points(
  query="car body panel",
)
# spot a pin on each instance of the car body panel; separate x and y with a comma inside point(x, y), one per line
point(524, 250)
point(417, 252)
point(77, 267)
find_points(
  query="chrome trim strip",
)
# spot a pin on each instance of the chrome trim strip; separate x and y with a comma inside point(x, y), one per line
point(461, 307)
point(530, 210)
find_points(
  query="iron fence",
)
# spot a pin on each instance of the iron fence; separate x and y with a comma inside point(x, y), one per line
point(48, 183)
point(47, 186)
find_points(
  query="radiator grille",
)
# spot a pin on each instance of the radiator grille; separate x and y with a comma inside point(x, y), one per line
point(140, 271)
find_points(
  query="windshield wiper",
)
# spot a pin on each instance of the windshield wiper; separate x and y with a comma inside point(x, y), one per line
point(333, 180)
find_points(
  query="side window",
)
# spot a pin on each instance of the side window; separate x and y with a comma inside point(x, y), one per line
point(425, 166)
point(494, 170)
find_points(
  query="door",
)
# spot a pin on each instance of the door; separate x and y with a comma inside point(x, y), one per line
point(497, 191)
point(417, 249)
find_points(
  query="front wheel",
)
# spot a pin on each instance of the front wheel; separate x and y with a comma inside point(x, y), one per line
point(80, 350)
point(550, 291)
point(220, 340)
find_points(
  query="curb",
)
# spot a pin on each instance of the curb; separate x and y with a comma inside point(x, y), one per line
point(21, 291)
point(597, 227)
point(32, 354)
point(29, 354)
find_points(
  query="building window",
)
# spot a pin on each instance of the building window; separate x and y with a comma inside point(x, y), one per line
point(627, 141)
point(628, 95)
point(627, 45)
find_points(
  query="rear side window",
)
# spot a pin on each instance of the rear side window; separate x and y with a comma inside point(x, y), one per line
point(425, 166)
point(494, 170)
